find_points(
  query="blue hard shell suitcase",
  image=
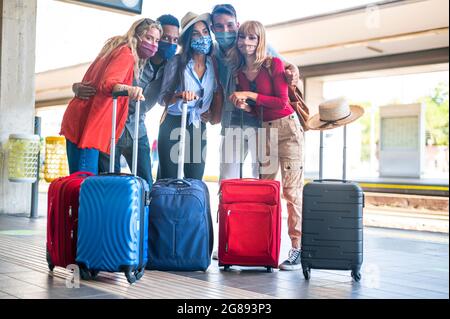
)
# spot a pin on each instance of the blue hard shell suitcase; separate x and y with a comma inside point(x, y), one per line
point(332, 224)
point(180, 224)
point(113, 220)
point(113, 225)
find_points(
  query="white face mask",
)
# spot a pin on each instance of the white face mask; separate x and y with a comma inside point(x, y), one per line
point(247, 46)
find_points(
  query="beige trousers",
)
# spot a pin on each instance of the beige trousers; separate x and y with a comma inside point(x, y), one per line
point(284, 148)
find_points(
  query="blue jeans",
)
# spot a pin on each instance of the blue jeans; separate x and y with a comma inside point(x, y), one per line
point(125, 147)
point(82, 159)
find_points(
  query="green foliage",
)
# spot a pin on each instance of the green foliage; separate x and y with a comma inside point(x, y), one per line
point(436, 115)
point(365, 123)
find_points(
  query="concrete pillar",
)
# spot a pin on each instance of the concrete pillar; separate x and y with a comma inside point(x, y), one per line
point(17, 96)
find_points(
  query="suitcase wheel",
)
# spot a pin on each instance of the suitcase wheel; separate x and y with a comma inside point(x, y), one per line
point(356, 275)
point(85, 273)
point(269, 269)
point(307, 273)
point(93, 273)
point(139, 273)
point(226, 268)
point(51, 266)
point(131, 277)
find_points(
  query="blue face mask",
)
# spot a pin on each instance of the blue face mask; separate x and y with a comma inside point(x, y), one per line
point(202, 45)
point(226, 39)
point(166, 50)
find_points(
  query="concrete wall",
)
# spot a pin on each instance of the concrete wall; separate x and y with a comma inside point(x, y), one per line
point(17, 92)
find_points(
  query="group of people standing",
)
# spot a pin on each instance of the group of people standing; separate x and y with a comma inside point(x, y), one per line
point(237, 80)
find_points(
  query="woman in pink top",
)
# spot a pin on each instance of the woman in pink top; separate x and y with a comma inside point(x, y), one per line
point(263, 90)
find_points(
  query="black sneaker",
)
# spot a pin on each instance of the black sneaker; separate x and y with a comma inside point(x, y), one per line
point(293, 261)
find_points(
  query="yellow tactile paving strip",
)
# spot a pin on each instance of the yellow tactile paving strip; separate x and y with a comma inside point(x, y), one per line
point(154, 284)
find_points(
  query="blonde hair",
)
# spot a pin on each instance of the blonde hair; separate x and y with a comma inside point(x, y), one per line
point(256, 28)
point(137, 30)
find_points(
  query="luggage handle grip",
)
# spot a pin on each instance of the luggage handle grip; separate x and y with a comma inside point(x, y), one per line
point(115, 174)
point(332, 180)
point(179, 181)
point(116, 94)
point(82, 173)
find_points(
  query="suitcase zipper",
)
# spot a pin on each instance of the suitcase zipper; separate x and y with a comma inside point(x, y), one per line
point(228, 233)
point(275, 190)
point(141, 245)
point(220, 201)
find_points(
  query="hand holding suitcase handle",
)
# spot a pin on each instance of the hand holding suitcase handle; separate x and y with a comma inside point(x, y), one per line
point(116, 94)
point(134, 92)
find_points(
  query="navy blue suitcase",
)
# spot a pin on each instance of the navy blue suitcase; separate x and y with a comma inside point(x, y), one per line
point(180, 224)
point(332, 223)
point(113, 220)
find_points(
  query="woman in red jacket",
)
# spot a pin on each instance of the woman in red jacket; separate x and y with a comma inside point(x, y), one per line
point(263, 90)
point(87, 123)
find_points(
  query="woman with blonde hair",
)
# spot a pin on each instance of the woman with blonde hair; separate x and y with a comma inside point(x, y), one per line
point(87, 122)
point(263, 91)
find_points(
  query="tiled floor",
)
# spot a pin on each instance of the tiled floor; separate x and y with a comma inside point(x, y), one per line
point(397, 264)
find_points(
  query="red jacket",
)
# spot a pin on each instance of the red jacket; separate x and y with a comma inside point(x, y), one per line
point(272, 91)
point(87, 123)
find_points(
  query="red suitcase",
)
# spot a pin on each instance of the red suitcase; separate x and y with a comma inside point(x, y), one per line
point(249, 223)
point(62, 219)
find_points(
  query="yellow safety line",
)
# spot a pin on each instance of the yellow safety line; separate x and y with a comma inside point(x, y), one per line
point(418, 187)
point(211, 178)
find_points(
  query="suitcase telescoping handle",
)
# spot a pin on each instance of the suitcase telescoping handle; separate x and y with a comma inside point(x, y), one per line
point(182, 145)
point(344, 162)
point(112, 156)
point(241, 146)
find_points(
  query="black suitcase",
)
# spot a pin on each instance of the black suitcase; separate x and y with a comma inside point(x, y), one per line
point(332, 226)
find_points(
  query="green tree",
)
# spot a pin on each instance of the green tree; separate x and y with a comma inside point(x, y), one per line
point(365, 123)
point(436, 115)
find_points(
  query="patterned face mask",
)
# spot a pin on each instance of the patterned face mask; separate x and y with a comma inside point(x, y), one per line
point(202, 44)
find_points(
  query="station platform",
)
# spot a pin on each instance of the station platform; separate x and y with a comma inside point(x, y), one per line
point(398, 264)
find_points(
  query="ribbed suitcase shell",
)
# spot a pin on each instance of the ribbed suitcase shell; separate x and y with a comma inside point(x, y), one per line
point(180, 226)
point(249, 223)
point(113, 223)
point(332, 227)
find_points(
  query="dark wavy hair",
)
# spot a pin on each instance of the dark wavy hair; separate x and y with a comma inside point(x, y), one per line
point(186, 50)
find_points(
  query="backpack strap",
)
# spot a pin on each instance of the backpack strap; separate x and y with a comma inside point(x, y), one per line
point(268, 65)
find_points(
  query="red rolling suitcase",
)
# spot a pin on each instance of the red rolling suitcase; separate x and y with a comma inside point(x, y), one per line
point(249, 222)
point(62, 219)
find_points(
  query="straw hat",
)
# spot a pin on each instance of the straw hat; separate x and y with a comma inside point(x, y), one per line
point(335, 113)
point(192, 18)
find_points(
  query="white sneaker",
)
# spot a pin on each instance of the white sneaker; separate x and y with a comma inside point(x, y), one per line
point(293, 261)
